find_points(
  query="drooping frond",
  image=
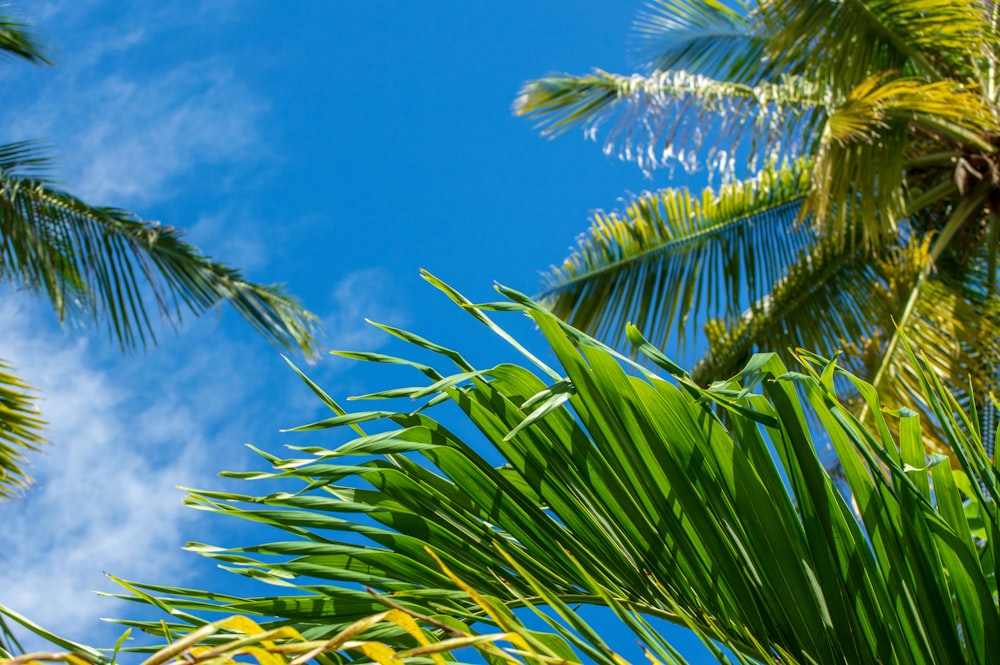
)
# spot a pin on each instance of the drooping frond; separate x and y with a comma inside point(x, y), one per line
point(946, 107)
point(17, 41)
point(954, 327)
point(678, 117)
point(825, 299)
point(843, 42)
point(628, 493)
point(863, 150)
point(107, 265)
point(706, 38)
point(671, 258)
point(20, 431)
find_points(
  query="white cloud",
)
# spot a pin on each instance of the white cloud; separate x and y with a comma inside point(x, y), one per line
point(366, 293)
point(238, 233)
point(125, 141)
point(126, 123)
point(125, 434)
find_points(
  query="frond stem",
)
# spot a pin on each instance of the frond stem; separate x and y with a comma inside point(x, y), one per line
point(930, 159)
point(667, 246)
point(953, 131)
point(939, 191)
point(965, 210)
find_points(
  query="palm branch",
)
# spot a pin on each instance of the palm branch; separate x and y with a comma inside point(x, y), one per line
point(671, 258)
point(106, 264)
point(706, 38)
point(894, 108)
point(622, 488)
point(20, 431)
point(17, 41)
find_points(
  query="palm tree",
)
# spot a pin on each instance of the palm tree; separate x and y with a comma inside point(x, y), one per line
point(856, 142)
point(108, 266)
point(501, 498)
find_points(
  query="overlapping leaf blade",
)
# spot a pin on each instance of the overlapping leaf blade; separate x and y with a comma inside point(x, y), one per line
point(637, 494)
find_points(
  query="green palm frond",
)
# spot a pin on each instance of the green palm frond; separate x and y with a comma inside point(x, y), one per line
point(960, 337)
point(20, 431)
point(956, 326)
point(628, 493)
point(896, 114)
point(846, 42)
point(707, 38)
point(670, 258)
point(670, 116)
point(836, 299)
point(823, 300)
point(105, 264)
point(883, 98)
point(17, 41)
point(862, 154)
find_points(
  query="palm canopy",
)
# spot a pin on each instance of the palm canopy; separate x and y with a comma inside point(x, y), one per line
point(493, 496)
point(108, 266)
point(874, 123)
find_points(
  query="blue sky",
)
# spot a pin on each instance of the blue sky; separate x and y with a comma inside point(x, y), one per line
point(337, 147)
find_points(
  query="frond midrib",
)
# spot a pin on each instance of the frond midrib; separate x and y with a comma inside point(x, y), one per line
point(664, 247)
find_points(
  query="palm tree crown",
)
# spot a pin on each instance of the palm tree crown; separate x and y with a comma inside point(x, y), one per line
point(857, 145)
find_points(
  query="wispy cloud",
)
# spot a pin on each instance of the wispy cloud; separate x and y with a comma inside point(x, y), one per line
point(126, 431)
point(239, 232)
point(125, 434)
point(367, 293)
point(123, 140)
point(124, 126)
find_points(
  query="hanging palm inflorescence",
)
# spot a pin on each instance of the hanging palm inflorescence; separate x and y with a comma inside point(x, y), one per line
point(858, 144)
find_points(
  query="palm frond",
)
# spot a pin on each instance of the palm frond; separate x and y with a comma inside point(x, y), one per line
point(17, 41)
point(862, 154)
point(676, 116)
point(959, 338)
point(706, 38)
point(632, 494)
point(846, 42)
point(953, 324)
point(824, 300)
point(105, 264)
point(20, 431)
point(884, 100)
point(847, 300)
point(671, 258)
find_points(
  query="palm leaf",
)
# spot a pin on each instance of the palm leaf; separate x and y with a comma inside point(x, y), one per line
point(833, 299)
point(846, 42)
point(670, 258)
point(675, 115)
point(825, 299)
point(17, 41)
point(707, 38)
point(20, 431)
point(635, 496)
point(105, 264)
point(863, 154)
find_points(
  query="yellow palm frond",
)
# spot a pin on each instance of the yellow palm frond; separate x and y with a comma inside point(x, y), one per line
point(20, 430)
